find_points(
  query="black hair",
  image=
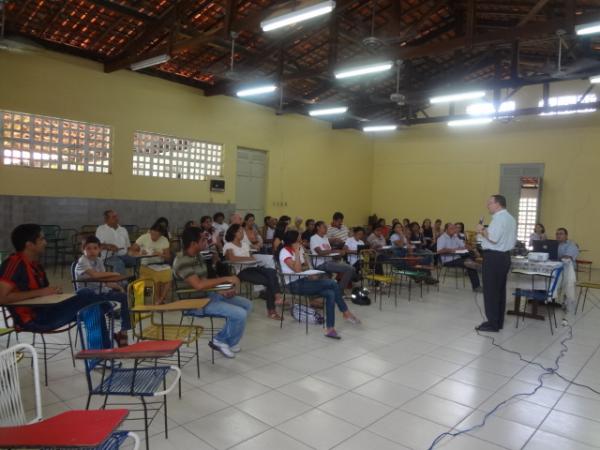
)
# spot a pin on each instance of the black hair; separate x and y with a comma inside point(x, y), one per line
point(307, 221)
point(500, 199)
point(217, 215)
point(289, 238)
point(190, 235)
point(563, 229)
point(358, 230)
point(107, 213)
point(461, 226)
point(248, 216)
point(231, 231)
point(379, 222)
point(188, 224)
point(426, 220)
point(266, 220)
point(543, 227)
point(24, 233)
point(163, 220)
point(90, 239)
point(280, 229)
point(447, 225)
point(338, 216)
point(162, 226)
point(318, 224)
point(285, 219)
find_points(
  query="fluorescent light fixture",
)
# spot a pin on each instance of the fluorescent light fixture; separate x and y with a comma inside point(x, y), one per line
point(456, 97)
point(487, 108)
point(155, 61)
point(328, 111)
point(595, 79)
point(299, 15)
point(469, 122)
point(378, 128)
point(259, 90)
point(587, 28)
point(364, 70)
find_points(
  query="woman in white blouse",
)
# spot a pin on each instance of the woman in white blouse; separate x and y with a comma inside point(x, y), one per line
point(236, 249)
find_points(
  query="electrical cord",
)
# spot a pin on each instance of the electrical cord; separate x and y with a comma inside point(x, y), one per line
point(546, 372)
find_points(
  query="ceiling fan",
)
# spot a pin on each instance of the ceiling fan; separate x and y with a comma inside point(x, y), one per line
point(231, 74)
point(373, 43)
point(568, 70)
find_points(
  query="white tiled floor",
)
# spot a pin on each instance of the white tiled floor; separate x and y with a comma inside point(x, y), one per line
point(398, 380)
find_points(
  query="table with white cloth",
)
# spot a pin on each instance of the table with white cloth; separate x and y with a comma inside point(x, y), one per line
point(541, 274)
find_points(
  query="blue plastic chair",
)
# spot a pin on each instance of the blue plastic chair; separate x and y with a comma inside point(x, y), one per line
point(544, 296)
point(95, 325)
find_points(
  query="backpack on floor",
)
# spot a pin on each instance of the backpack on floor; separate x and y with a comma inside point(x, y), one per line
point(303, 313)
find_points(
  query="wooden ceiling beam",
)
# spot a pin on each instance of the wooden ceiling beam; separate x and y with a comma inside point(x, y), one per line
point(489, 38)
point(120, 9)
point(532, 12)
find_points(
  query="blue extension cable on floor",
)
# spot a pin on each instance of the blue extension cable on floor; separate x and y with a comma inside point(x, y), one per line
point(547, 371)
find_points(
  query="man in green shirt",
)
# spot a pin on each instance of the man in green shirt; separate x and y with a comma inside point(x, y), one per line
point(190, 267)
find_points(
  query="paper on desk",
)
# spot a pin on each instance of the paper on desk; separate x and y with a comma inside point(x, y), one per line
point(311, 272)
point(159, 267)
point(461, 252)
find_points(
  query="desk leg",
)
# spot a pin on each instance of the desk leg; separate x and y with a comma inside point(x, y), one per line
point(516, 310)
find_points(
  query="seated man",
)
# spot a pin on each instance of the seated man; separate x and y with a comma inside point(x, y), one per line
point(319, 245)
point(190, 267)
point(337, 233)
point(376, 239)
point(447, 245)
point(351, 247)
point(115, 243)
point(22, 277)
point(566, 249)
point(219, 223)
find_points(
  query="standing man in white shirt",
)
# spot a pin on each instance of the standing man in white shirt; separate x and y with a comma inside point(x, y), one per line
point(115, 243)
point(497, 242)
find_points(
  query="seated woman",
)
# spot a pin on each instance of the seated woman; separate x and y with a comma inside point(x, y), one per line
point(428, 234)
point(308, 232)
point(164, 223)
point(158, 247)
point(267, 231)
point(280, 230)
point(215, 243)
point(461, 231)
point(251, 234)
point(236, 249)
point(398, 240)
point(290, 255)
point(539, 234)
point(89, 266)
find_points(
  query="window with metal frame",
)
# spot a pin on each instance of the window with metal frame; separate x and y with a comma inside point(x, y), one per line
point(31, 140)
point(162, 156)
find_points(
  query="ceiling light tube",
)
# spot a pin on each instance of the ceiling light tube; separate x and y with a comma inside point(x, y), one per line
point(457, 97)
point(595, 79)
point(328, 111)
point(469, 122)
point(299, 15)
point(155, 61)
point(587, 28)
point(259, 90)
point(379, 128)
point(364, 70)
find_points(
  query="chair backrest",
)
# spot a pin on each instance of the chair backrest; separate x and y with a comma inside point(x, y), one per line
point(367, 261)
point(73, 276)
point(136, 296)
point(95, 325)
point(51, 231)
point(12, 411)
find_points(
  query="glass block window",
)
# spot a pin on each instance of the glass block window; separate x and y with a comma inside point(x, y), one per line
point(30, 140)
point(566, 100)
point(161, 156)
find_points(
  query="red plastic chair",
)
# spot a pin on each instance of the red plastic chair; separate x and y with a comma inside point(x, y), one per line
point(71, 429)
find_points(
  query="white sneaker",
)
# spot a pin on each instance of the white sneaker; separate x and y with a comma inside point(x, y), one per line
point(235, 348)
point(222, 347)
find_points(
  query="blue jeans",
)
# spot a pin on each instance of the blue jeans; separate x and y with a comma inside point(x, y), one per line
point(328, 289)
point(120, 262)
point(234, 310)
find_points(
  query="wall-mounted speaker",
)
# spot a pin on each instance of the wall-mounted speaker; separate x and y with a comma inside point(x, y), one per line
point(217, 185)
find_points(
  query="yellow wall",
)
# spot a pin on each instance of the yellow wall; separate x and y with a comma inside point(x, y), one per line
point(437, 172)
point(304, 154)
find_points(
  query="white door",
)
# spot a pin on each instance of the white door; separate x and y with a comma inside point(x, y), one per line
point(250, 182)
